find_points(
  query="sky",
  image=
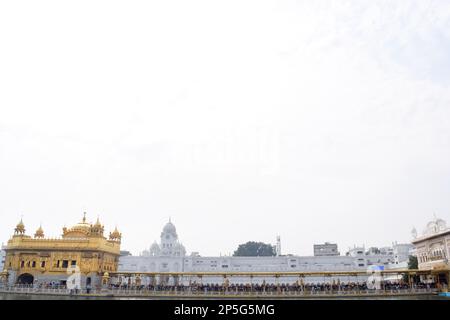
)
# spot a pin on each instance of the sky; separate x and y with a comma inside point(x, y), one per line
point(239, 120)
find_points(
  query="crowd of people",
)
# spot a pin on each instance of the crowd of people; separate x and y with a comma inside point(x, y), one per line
point(273, 288)
point(247, 288)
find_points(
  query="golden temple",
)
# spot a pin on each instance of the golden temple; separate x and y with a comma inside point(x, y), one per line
point(43, 261)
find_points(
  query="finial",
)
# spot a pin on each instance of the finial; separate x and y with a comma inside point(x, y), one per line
point(84, 217)
point(170, 220)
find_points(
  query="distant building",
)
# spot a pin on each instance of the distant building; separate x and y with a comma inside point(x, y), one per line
point(388, 251)
point(432, 249)
point(390, 258)
point(174, 259)
point(398, 254)
point(373, 251)
point(325, 250)
point(401, 252)
point(358, 254)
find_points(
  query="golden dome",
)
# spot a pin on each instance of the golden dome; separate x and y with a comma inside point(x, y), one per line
point(115, 235)
point(81, 226)
point(81, 229)
point(97, 229)
point(39, 233)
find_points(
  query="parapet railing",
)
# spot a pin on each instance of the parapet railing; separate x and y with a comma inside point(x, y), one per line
point(120, 292)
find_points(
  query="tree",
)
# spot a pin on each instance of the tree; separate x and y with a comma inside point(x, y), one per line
point(413, 264)
point(254, 249)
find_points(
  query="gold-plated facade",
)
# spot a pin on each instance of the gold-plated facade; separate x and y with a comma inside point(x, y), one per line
point(82, 248)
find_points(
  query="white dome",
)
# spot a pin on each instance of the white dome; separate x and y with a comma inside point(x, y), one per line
point(169, 228)
point(154, 249)
point(435, 226)
point(441, 224)
point(154, 246)
point(169, 231)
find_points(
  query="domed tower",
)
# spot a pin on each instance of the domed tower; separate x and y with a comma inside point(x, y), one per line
point(115, 235)
point(179, 250)
point(168, 238)
point(39, 233)
point(170, 245)
point(20, 229)
point(169, 229)
point(435, 226)
point(80, 230)
point(97, 229)
point(155, 250)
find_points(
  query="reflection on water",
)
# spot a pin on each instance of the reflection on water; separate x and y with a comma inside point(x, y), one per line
point(50, 297)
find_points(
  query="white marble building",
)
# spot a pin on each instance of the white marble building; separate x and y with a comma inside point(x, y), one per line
point(169, 245)
point(401, 252)
point(170, 256)
point(433, 246)
point(432, 249)
point(398, 254)
point(326, 249)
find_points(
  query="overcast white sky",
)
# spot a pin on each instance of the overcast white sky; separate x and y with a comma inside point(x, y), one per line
point(315, 120)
